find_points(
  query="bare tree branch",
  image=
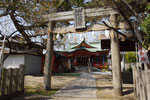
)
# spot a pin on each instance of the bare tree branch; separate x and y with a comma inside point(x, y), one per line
point(125, 17)
point(37, 35)
point(10, 49)
point(12, 34)
point(3, 14)
point(20, 28)
point(115, 30)
point(9, 44)
point(31, 27)
point(132, 11)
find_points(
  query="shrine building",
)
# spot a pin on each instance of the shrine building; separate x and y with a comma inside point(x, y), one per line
point(81, 53)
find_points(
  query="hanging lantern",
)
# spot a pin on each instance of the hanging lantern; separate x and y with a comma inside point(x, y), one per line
point(81, 37)
point(107, 33)
point(58, 36)
point(69, 36)
point(93, 35)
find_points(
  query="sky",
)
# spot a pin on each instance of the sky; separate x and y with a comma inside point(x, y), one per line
point(7, 27)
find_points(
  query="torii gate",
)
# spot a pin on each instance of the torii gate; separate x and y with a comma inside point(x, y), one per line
point(87, 13)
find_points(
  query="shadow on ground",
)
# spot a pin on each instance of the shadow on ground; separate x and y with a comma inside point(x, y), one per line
point(32, 97)
point(126, 90)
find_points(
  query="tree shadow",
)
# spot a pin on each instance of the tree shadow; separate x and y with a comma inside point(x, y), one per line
point(32, 97)
point(105, 87)
point(128, 91)
point(35, 75)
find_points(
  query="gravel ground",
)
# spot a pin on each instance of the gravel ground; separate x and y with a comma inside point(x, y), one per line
point(103, 85)
point(57, 81)
point(105, 89)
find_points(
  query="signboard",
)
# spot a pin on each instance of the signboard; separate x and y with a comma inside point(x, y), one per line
point(79, 18)
point(124, 45)
point(142, 53)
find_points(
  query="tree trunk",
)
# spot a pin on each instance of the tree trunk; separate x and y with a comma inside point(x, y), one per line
point(115, 56)
point(48, 59)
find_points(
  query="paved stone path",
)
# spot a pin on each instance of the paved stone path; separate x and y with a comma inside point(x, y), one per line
point(84, 87)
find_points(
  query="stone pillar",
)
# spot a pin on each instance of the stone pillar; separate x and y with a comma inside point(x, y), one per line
point(48, 58)
point(115, 56)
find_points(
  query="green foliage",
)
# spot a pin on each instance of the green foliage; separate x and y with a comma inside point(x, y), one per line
point(28, 10)
point(26, 15)
point(130, 57)
point(38, 90)
point(146, 28)
point(103, 70)
point(129, 70)
point(67, 74)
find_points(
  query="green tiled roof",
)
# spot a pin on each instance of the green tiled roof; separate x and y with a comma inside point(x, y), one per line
point(95, 46)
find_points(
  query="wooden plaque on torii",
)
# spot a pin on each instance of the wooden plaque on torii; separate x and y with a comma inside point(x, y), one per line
point(79, 18)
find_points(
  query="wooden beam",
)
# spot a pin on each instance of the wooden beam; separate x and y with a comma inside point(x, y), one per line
point(69, 15)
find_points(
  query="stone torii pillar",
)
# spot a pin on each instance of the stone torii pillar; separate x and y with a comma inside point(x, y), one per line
point(49, 57)
point(115, 56)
